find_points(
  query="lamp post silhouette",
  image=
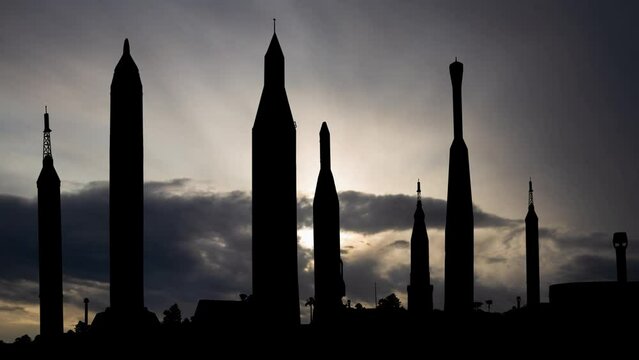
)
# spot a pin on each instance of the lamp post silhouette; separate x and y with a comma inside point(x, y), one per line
point(620, 242)
point(86, 311)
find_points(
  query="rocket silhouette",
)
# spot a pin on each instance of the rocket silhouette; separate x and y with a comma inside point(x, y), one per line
point(49, 243)
point(275, 284)
point(126, 184)
point(459, 236)
point(420, 295)
point(329, 279)
point(532, 251)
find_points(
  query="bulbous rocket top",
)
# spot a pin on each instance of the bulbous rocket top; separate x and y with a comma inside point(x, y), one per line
point(456, 70)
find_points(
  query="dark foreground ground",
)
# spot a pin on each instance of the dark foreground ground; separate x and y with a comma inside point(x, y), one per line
point(521, 334)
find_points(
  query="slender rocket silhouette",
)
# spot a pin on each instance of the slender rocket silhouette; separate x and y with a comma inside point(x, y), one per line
point(420, 295)
point(49, 242)
point(459, 243)
point(532, 251)
point(329, 279)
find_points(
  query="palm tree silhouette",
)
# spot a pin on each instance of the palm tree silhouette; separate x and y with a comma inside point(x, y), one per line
point(489, 303)
point(310, 303)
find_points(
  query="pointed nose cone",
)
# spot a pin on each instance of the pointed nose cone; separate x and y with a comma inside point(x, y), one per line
point(324, 129)
point(274, 64)
point(325, 147)
point(126, 63)
point(126, 72)
point(274, 48)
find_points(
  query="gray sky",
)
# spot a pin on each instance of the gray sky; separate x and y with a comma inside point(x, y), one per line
point(549, 91)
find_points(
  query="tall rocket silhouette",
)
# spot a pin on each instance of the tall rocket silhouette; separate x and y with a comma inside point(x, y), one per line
point(329, 279)
point(126, 179)
point(49, 242)
point(420, 295)
point(275, 286)
point(532, 251)
point(459, 243)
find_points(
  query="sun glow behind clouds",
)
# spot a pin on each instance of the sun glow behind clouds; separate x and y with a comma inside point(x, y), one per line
point(348, 239)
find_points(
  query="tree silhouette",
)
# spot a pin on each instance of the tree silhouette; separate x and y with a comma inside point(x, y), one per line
point(81, 327)
point(489, 303)
point(477, 305)
point(310, 303)
point(391, 302)
point(172, 316)
point(24, 339)
point(246, 298)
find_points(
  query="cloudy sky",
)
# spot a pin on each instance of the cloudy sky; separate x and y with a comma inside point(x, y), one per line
point(550, 91)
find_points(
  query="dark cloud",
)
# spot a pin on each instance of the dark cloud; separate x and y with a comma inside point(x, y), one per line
point(13, 309)
point(369, 213)
point(345, 249)
point(19, 290)
point(496, 260)
point(596, 241)
point(18, 226)
point(586, 256)
point(399, 244)
point(589, 268)
point(197, 245)
point(361, 275)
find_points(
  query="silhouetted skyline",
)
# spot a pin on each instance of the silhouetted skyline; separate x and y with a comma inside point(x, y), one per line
point(385, 99)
